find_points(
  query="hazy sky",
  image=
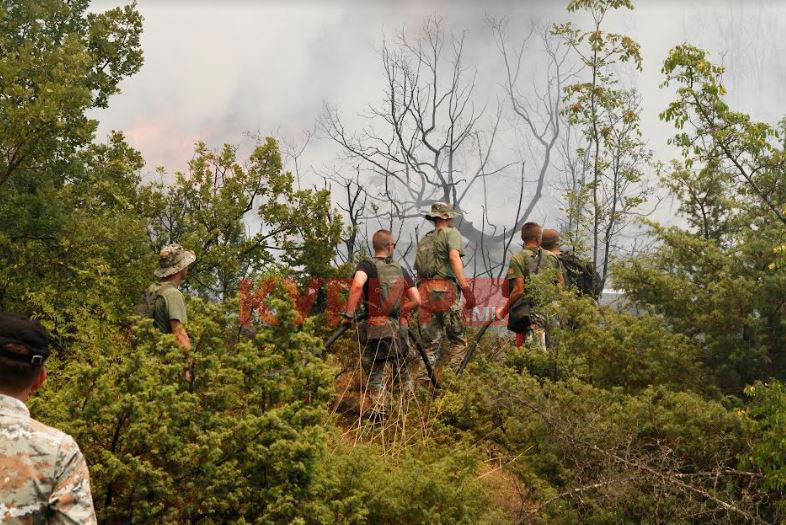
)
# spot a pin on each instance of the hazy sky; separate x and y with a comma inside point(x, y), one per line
point(215, 70)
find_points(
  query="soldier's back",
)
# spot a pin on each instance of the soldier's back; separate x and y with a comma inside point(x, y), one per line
point(43, 475)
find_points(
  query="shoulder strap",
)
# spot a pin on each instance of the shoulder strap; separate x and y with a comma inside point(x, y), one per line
point(374, 273)
point(540, 258)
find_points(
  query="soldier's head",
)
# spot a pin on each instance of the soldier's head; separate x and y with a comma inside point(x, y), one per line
point(383, 244)
point(173, 263)
point(24, 347)
point(549, 241)
point(530, 234)
point(442, 214)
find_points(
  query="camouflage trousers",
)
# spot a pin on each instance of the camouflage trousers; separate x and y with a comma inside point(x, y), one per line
point(442, 334)
point(541, 333)
point(376, 354)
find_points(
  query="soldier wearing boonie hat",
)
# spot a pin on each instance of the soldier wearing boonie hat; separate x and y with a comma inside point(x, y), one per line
point(441, 276)
point(43, 474)
point(163, 301)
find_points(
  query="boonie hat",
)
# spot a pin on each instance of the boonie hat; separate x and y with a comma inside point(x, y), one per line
point(442, 210)
point(172, 259)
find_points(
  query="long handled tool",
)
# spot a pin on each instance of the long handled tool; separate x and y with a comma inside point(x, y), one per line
point(341, 329)
point(421, 350)
point(424, 356)
point(338, 333)
point(473, 346)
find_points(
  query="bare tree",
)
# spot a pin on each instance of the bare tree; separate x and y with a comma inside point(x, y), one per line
point(353, 204)
point(539, 116)
point(293, 149)
point(430, 141)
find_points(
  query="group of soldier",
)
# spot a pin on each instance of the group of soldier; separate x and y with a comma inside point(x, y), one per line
point(43, 474)
point(442, 282)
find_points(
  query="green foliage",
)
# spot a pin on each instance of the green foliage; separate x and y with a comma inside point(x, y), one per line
point(718, 283)
point(592, 455)
point(768, 450)
point(56, 62)
point(209, 210)
point(243, 442)
point(613, 158)
point(440, 488)
point(711, 134)
point(609, 349)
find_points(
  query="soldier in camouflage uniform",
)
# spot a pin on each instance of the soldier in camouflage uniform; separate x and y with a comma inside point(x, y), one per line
point(441, 282)
point(389, 296)
point(43, 475)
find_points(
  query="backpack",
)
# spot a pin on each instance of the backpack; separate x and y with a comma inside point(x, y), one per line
point(581, 275)
point(520, 315)
point(147, 304)
point(427, 263)
point(386, 275)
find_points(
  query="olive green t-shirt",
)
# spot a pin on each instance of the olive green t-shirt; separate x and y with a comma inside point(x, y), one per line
point(525, 263)
point(169, 306)
point(447, 239)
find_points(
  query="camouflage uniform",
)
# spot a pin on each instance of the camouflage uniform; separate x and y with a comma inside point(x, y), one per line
point(389, 346)
point(443, 332)
point(43, 475)
point(384, 340)
point(443, 335)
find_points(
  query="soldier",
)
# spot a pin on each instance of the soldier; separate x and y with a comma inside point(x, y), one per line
point(389, 296)
point(549, 242)
point(43, 474)
point(531, 260)
point(163, 300)
point(441, 282)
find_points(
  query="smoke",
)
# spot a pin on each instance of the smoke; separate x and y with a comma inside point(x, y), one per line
point(214, 71)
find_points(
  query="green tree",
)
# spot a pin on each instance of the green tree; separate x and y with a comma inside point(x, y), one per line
point(56, 62)
point(607, 115)
point(59, 233)
point(718, 282)
point(215, 207)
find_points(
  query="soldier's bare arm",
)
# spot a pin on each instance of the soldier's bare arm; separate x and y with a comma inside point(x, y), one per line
point(411, 301)
point(181, 336)
point(356, 292)
point(454, 256)
point(513, 296)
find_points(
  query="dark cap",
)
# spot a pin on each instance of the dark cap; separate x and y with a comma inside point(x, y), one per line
point(17, 329)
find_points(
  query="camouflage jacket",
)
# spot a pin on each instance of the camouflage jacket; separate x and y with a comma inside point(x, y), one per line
point(43, 475)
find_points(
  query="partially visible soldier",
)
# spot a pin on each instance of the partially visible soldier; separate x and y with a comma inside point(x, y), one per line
point(43, 474)
point(389, 296)
point(441, 278)
point(550, 241)
point(163, 300)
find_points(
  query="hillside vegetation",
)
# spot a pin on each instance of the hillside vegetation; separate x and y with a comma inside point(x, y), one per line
point(673, 416)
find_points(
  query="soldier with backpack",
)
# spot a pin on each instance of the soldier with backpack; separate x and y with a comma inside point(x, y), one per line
point(442, 282)
point(520, 307)
point(163, 300)
point(389, 296)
